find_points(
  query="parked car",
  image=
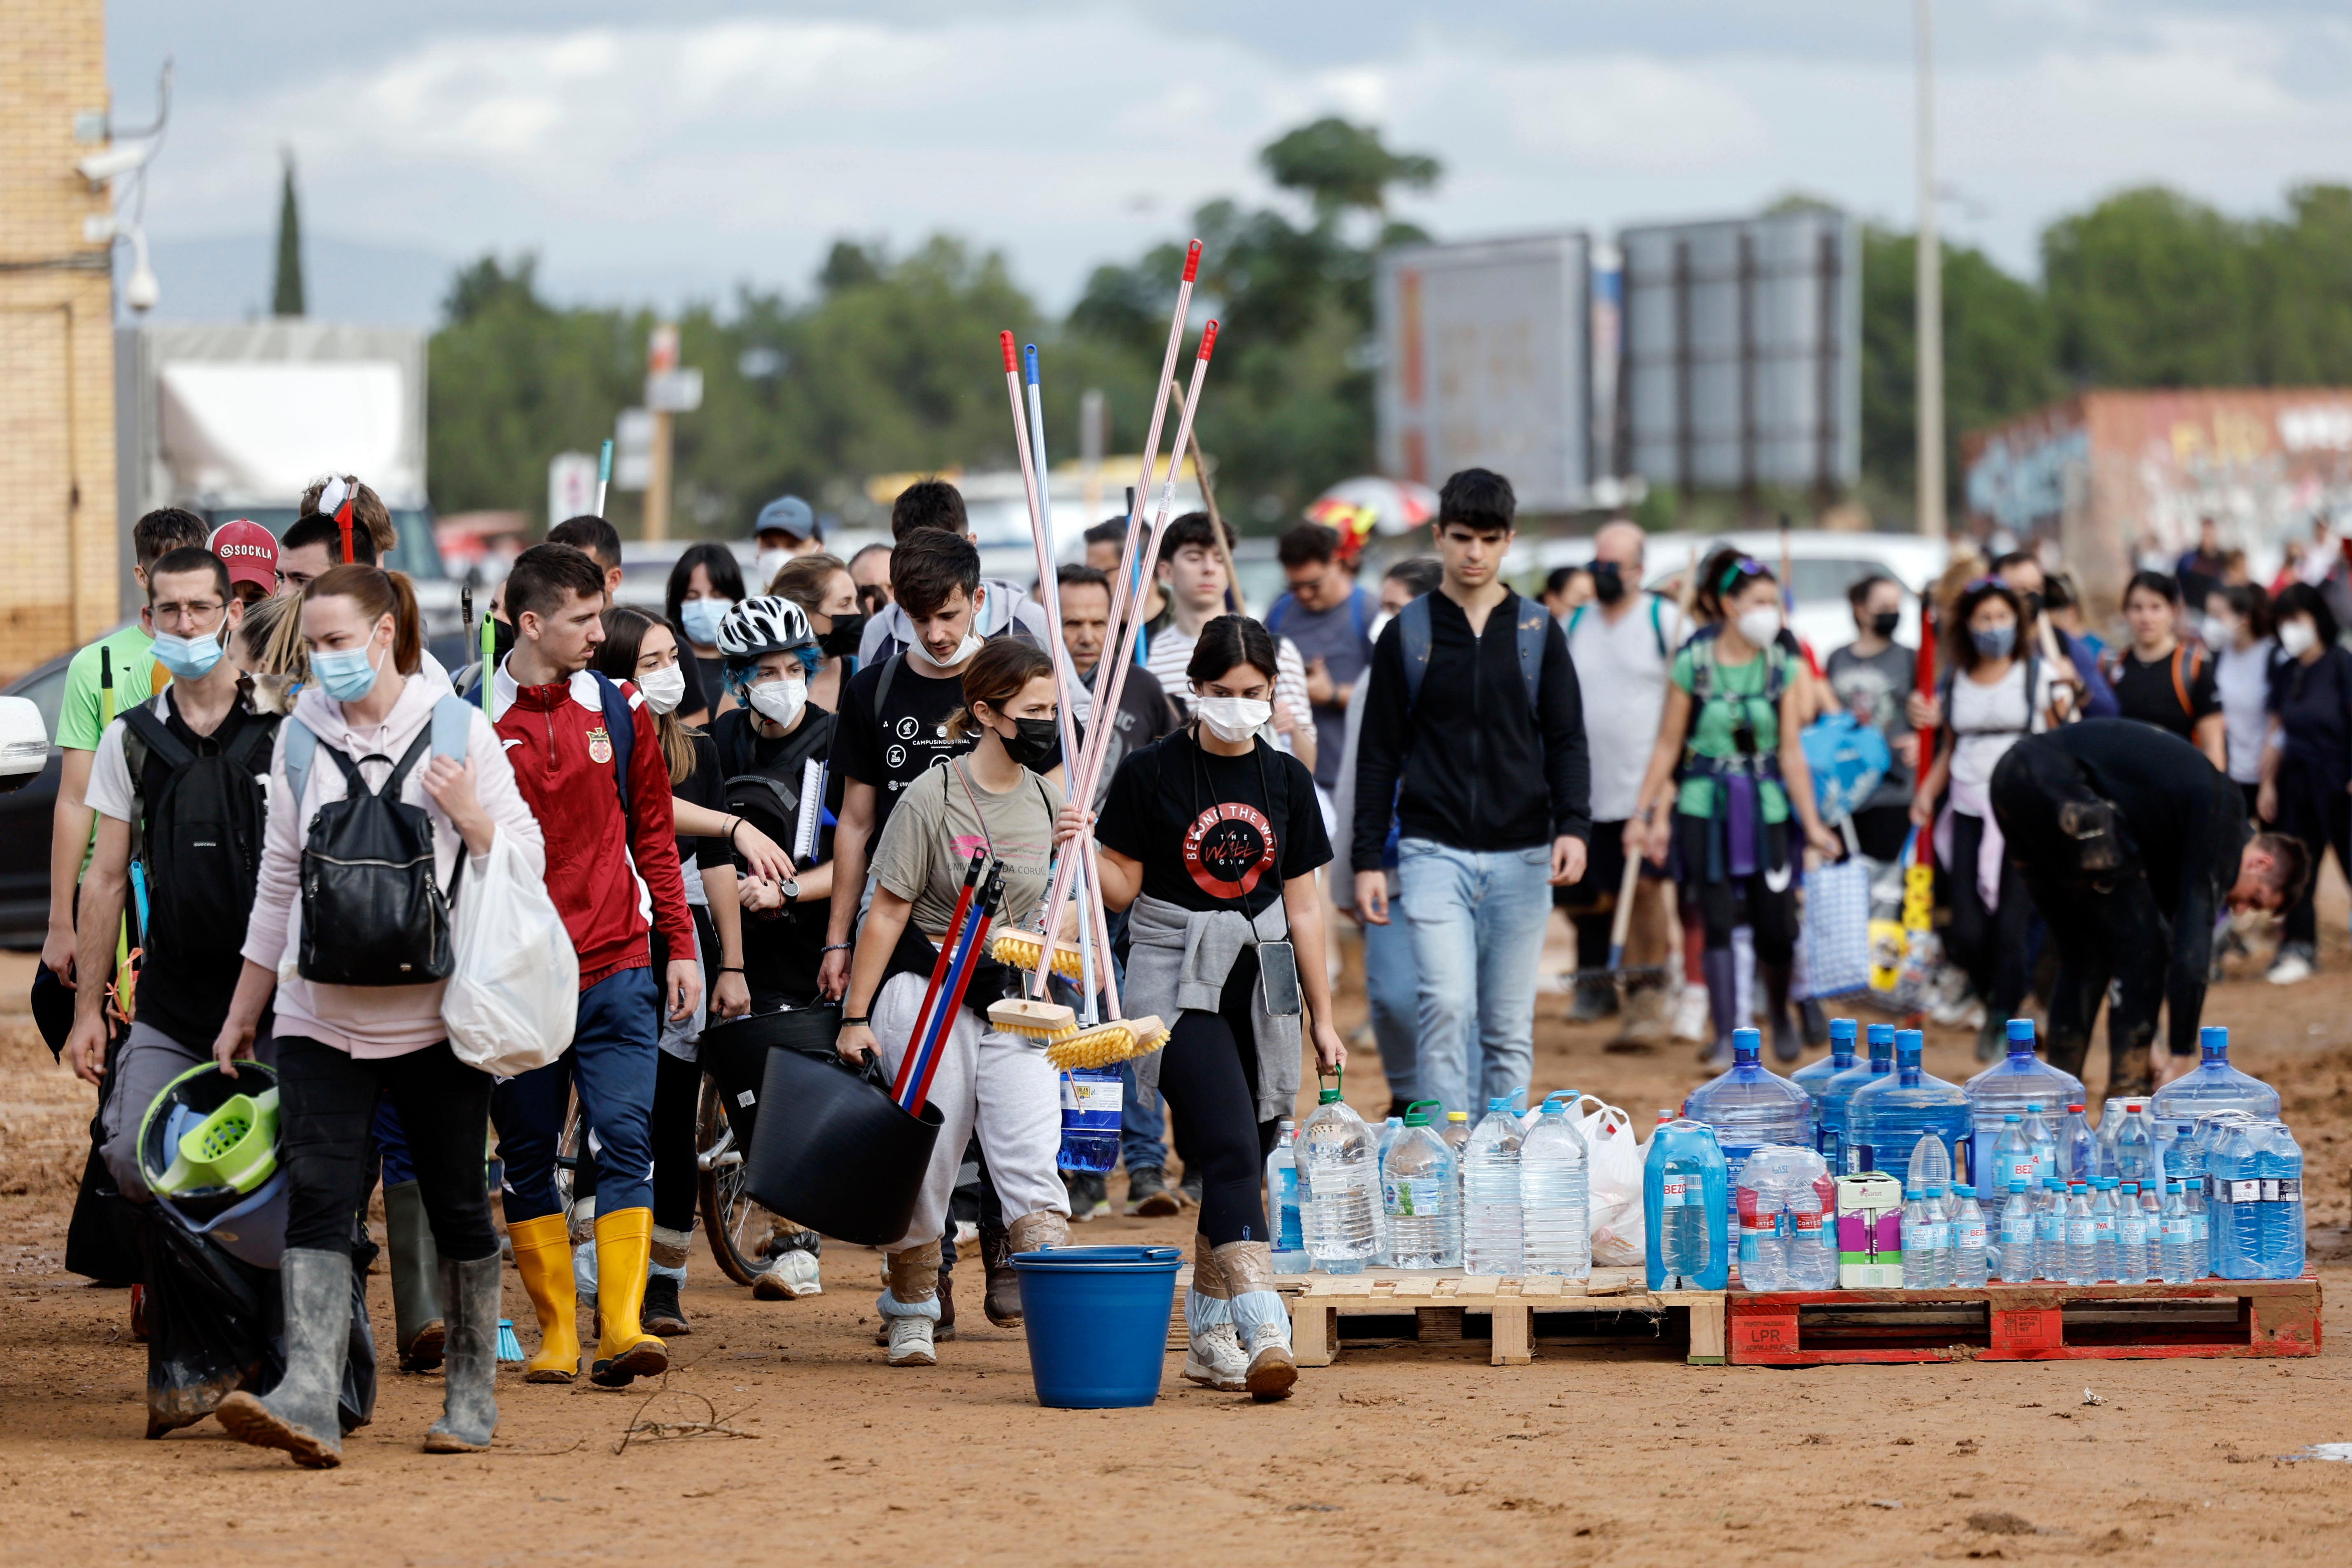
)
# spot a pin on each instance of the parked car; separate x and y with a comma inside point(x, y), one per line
point(25, 818)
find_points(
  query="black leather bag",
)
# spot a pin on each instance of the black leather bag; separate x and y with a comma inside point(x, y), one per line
point(371, 913)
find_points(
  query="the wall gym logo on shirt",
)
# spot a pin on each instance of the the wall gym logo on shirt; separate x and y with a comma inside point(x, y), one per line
point(1227, 848)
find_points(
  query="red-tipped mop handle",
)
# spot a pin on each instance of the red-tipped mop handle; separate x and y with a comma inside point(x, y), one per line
point(1120, 585)
point(924, 1047)
point(939, 970)
point(983, 913)
point(1111, 685)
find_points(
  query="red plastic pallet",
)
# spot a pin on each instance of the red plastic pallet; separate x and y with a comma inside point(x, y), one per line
point(2227, 1317)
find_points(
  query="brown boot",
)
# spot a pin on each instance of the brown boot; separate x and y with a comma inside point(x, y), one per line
point(1260, 1316)
point(1001, 1300)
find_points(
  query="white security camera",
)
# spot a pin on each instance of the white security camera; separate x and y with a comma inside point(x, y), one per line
point(23, 744)
point(118, 160)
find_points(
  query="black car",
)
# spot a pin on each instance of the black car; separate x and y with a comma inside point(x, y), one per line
point(24, 820)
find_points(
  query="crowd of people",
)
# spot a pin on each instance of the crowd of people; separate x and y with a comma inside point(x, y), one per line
point(766, 798)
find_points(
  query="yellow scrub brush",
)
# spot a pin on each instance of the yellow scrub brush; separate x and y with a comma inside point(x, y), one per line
point(1112, 1041)
point(1047, 1021)
point(1018, 949)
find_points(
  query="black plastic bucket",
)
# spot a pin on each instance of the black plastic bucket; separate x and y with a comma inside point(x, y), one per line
point(834, 1151)
point(735, 1054)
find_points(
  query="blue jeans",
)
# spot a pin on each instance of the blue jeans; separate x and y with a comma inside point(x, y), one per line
point(612, 1060)
point(1393, 988)
point(1143, 1125)
point(1476, 918)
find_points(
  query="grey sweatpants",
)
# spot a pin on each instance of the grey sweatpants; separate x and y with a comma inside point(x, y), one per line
point(149, 1060)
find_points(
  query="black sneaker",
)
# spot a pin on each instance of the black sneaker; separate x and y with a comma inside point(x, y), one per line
point(661, 1315)
point(1090, 1195)
point(1189, 1189)
point(1148, 1194)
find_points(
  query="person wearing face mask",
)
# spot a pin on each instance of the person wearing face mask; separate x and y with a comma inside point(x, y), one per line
point(993, 798)
point(1993, 694)
point(704, 582)
point(786, 528)
point(1731, 731)
point(2236, 629)
point(1621, 642)
point(2306, 773)
point(2158, 678)
point(2052, 620)
point(342, 1048)
point(820, 585)
point(1209, 840)
point(1871, 677)
point(1000, 605)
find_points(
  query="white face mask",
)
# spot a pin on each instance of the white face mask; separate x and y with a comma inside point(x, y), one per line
point(2296, 637)
point(1380, 624)
point(1760, 625)
point(2221, 631)
point(771, 562)
point(1233, 718)
point(778, 701)
point(972, 644)
point(664, 689)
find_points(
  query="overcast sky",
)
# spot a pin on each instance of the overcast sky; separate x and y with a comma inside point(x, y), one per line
point(673, 157)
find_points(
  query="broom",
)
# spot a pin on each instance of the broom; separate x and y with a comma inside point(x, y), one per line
point(939, 967)
point(968, 944)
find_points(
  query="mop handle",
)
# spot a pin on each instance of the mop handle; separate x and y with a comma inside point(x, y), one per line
point(983, 914)
point(929, 1024)
point(1115, 682)
point(1129, 560)
point(604, 474)
point(1623, 919)
point(940, 964)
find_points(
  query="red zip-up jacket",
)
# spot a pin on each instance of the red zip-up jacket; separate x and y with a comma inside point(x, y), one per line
point(563, 761)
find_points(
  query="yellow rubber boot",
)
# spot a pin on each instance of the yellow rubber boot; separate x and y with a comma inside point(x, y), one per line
point(623, 1245)
point(542, 1252)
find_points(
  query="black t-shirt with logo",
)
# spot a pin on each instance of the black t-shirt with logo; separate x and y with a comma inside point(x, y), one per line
point(1211, 832)
point(891, 749)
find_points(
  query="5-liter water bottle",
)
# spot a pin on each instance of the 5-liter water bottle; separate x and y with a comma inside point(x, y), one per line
point(2082, 1236)
point(2078, 1146)
point(2139, 1159)
point(2103, 1215)
point(1762, 1264)
point(1282, 1201)
point(1970, 1264)
point(1343, 1181)
point(2230, 1155)
point(2017, 1226)
point(2131, 1236)
point(1418, 1194)
point(1684, 1201)
point(2177, 1262)
point(1838, 1094)
point(2111, 1121)
point(2213, 1086)
point(2020, 1078)
point(1386, 1134)
point(1555, 1167)
point(2010, 1159)
point(1751, 1106)
point(1930, 1165)
point(1813, 1078)
point(2280, 1162)
point(1090, 1119)
point(2050, 1258)
point(1492, 1240)
point(1887, 1117)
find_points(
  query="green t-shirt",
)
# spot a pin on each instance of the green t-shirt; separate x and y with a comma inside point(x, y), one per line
point(81, 715)
point(1735, 688)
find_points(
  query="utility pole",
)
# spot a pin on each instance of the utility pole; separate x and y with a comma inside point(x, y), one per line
point(661, 359)
point(1929, 326)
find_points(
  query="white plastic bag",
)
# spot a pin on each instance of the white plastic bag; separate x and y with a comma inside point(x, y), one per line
point(514, 993)
point(1613, 1178)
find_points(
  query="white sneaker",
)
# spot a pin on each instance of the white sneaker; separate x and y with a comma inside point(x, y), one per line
point(2291, 969)
point(1214, 1359)
point(789, 1276)
point(1272, 1369)
point(1691, 1021)
point(911, 1342)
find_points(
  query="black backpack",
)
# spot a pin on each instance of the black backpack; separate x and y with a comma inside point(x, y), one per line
point(373, 913)
point(769, 798)
point(198, 831)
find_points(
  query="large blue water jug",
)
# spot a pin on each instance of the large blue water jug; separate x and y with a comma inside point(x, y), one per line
point(1685, 1202)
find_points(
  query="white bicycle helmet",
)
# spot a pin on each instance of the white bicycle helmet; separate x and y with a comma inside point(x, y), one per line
point(769, 624)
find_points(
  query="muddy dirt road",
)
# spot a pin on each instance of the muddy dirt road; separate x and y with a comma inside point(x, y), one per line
point(1396, 1456)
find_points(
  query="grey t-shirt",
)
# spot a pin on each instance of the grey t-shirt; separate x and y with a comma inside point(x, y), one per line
point(1337, 636)
point(1872, 688)
point(941, 818)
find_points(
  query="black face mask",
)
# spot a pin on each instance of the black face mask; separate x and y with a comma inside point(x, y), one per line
point(1032, 741)
point(1607, 581)
point(2032, 604)
point(1884, 623)
point(842, 641)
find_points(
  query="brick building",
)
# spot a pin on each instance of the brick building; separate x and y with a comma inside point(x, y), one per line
point(58, 583)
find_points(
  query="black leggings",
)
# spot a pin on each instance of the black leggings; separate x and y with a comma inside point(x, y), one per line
point(327, 1106)
point(1208, 1071)
point(1748, 900)
point(677, 1180)
point(1990, 944)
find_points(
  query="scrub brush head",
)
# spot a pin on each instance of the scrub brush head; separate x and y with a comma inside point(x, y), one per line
point(1107, 1044)
point(1018, 949)
point(1047, 1021)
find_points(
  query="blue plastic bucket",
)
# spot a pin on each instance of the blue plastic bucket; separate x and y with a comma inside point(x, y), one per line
point(1097, 1318)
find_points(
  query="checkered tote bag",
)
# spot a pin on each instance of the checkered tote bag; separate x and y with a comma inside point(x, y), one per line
point(1837, 928)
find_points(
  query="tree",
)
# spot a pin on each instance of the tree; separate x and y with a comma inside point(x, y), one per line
point(2151, 289)
point(286, 289)
point(1341, 166)
point(2303, 290)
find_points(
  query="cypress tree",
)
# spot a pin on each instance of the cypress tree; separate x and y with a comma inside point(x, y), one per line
point(286, 296)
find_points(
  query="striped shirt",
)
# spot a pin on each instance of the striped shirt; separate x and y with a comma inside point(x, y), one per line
point(1171, 649)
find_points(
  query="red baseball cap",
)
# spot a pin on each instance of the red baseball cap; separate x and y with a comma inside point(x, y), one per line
point(249, 552)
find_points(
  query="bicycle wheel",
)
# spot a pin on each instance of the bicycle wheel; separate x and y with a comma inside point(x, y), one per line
point(738, 1226)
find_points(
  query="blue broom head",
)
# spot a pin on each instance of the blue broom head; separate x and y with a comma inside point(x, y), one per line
point(510, 1347)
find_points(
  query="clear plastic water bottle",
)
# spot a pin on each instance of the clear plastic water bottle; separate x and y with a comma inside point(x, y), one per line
point(2213, 1085)
point(2103, 1235)
point(2004, 1089)
point(1555, 1170)
point(1810, 1233)
point(1838, 1094)
point(1343, 1179)
point(1751, 1106)
point(1930, 1165)
point(1940, 1219)
point(1419, 1195)
point(1386, 1134)
point(2050, 1259)
point(2078, 1146)
point(1762, 1264)
point(2138, 1160)
point(2017, 1227)
point(1886, 1118)
point(1813, 1078)
point(1456, 1134)
point(2200, 1230)
point(2082, 1236)
point(1492, 1238)
point(1971, 1263)
point(2280, 1162)
point(2111, 1121)
point(1918, 1242)
point(2042, 1142)
point(2009, 1159)
point(2237, 1197)
point(2174, 1247)
point(1282, 1200)
point(2131, 1236)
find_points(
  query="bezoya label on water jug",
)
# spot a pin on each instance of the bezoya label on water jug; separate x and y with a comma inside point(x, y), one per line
point(1089, 1096)
point(1679, 1191)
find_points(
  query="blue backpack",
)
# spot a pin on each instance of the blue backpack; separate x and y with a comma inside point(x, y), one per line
point(1413, 621)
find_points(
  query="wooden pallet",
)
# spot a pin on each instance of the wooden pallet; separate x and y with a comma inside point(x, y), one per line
point(1439, 1298)
point(2042, 1321)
